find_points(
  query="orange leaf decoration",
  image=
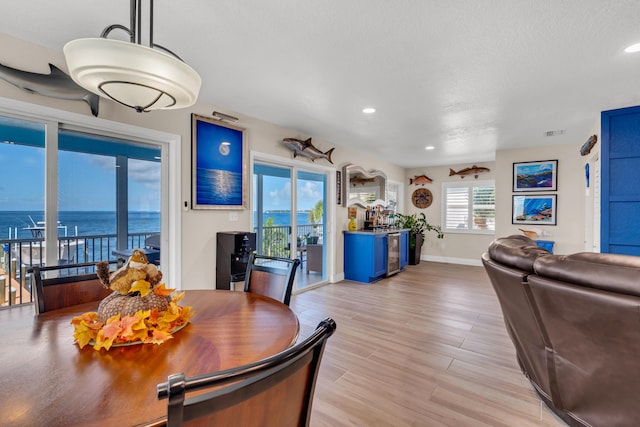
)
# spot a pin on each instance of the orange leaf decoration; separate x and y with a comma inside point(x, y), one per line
point(154, 316)
point(102, 341)
point(186, 313)
point(82, 334)
point(177, 297)
point(145, 326)
point(162, 290)
point(113, 328)
point(89, 317)
point(158, 337)
point(127, 324)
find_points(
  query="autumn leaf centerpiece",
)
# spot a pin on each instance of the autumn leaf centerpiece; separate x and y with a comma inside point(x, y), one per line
point(140, 310)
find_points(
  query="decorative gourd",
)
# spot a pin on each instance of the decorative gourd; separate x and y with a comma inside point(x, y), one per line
point(128, 305)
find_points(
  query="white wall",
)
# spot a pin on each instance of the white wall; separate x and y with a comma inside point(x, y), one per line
point(592, 195)
point(575, 220)
point(569, 233)
point(457, 248)
point(197, 228)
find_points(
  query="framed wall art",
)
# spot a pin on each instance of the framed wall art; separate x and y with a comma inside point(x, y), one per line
point(535, 176)
point(534, 209)
point(339, 187)
point(219, 156)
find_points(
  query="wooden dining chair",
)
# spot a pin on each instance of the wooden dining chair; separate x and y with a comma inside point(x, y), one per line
point(61, 286)
point(276, 391)
point(271, 276)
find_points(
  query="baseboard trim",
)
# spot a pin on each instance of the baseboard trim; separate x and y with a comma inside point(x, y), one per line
point(451, 260)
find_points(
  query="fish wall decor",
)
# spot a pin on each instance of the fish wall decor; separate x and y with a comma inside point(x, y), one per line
point(56, 84)
point(587, 146)
point(306, 149)
point(420, 180)
point(473, 170)
point(360, 181)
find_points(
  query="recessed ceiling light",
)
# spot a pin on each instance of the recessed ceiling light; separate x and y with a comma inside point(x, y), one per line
point(369, 110)
point(429, 147)
point(633, 48)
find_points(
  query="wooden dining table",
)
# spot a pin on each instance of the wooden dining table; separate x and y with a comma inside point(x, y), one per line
point(47, 380)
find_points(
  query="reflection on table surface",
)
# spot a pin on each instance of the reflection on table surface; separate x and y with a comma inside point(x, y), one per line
point(48, 380)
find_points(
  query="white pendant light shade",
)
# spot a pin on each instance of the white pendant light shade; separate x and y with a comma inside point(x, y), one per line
point(132, 74)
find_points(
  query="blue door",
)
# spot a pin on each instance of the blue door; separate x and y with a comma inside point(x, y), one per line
point(620, 161)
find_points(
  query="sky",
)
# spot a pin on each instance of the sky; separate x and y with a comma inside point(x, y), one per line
point(85, 181)
point(278, 194)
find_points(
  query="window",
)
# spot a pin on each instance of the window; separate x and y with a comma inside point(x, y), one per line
point(394, 193)
point(469, 207)
point(86, 208)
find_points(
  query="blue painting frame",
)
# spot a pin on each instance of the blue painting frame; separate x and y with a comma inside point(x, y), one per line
point(538, 209)
point(219, 156)
point(541, 175)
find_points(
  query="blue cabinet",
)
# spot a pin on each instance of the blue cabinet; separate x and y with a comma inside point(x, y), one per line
point(365, 256)
point(380, 250)
point(404, 249)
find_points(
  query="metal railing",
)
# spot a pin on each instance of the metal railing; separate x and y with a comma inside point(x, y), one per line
point(17, 255)
point(274, 240)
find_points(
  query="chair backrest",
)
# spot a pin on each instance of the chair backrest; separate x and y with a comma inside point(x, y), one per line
point(152, 241)
point(276, 391)
point(73, 284)
point(271, 276)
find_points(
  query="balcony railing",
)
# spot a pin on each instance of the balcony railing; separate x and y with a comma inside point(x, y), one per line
point(17, 255)
point(274, 240)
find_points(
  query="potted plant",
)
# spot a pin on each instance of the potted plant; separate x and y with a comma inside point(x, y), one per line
point(417, 225)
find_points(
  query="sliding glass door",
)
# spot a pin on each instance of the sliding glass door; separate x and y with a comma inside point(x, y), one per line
point(311, 201)
point(289, 217)
point(71, 196)
point(272, 210)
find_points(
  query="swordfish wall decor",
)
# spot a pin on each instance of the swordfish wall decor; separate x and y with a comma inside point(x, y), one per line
point(56, 84)
point(306, 149)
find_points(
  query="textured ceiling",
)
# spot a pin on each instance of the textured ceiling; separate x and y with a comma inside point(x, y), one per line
point(466, 76)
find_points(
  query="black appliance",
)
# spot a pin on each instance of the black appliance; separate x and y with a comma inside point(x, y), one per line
point(233, 250)
point(393, 253)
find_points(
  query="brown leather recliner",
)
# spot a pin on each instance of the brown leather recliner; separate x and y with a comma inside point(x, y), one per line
point(575, 323)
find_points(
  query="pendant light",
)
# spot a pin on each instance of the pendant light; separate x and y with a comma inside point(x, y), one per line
point(143, 78)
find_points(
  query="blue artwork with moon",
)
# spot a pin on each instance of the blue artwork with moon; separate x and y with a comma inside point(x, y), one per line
point(219, 165)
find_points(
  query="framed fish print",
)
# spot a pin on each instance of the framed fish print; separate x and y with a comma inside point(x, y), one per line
point(219, 157)
point(535, 176)
point(534, 209)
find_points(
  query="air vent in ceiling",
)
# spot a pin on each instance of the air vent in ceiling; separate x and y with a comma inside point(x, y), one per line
point(554, 132)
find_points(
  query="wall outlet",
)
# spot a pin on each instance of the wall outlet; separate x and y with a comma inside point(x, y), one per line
point(233, 216)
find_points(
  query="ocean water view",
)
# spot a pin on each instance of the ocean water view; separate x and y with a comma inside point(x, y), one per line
point(89, 223)
point(86, 223)
point(283, 217)
point(19, 225)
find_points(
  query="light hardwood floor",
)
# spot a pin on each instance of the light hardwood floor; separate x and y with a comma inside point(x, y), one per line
point(426, 347)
